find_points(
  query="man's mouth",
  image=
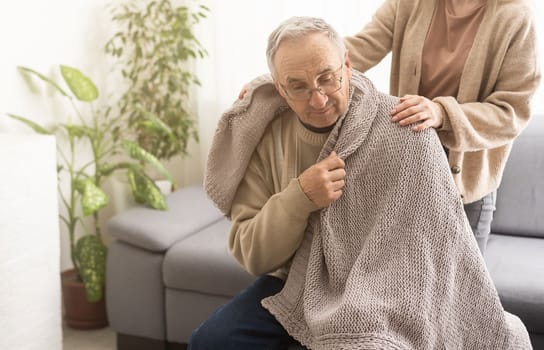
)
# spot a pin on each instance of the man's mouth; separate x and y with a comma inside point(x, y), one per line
point(322, 111)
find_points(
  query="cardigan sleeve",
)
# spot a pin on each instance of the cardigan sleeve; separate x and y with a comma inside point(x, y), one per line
point(368, 47)
point(267, 227)
point(501, 116)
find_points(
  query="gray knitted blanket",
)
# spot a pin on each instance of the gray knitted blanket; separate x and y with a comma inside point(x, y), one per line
point(393, 263)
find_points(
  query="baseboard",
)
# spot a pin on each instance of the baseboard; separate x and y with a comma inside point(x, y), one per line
point(132, 342)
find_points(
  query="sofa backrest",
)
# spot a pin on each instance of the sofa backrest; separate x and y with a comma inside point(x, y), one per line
point(520, 197)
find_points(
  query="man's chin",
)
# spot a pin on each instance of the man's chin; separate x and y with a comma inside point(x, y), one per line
point(325, 121)
point(324, 125)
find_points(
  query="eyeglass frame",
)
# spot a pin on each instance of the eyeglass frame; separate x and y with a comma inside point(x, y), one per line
point(310, 91)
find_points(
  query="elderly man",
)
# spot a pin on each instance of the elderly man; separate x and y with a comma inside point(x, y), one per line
point(352, 222)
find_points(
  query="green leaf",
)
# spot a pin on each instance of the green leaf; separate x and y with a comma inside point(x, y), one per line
point(138, 153)
point(77, 131)
point(37, 128)
point(44, 78)
point(155, 124)
point(133, 180)
point(92, 197)
point(91, 254)
point(145, 190)
point(159, 39)
point(106, 169)
point(80, 85)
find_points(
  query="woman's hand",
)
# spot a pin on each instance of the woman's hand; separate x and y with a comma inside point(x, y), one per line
point(243, 92)
point(414, 108)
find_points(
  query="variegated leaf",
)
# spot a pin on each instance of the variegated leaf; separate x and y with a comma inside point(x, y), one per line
point(145, 190)
point(91, 255)
point(92, 197)
point(81, 86)
point(138, 153)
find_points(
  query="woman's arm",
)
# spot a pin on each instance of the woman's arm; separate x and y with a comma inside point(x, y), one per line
point(502, 115)
point(368, 47)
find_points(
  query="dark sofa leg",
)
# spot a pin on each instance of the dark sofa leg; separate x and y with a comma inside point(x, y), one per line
point(176, 346)
point(132, 342)
point(537, 341)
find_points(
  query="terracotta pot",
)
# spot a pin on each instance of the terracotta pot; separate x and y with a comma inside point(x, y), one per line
point(78, 312)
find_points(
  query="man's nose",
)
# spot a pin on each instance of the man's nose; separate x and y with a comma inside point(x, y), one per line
point(318, 99)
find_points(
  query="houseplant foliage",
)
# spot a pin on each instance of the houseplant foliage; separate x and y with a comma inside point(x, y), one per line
point(154, 45)
point(111, 150)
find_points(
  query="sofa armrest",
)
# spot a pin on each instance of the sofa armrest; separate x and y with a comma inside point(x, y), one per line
point(189, 211)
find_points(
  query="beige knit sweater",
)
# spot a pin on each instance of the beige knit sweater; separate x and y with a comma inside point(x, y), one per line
point(500, 76)
point(270, 212)
point(393, 263)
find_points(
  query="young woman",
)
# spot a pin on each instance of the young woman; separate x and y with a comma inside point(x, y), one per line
point(467, 68)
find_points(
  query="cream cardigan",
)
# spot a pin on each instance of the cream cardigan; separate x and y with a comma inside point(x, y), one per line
point(500, 75)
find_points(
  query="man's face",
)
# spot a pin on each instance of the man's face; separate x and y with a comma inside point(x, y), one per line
point(308, 63)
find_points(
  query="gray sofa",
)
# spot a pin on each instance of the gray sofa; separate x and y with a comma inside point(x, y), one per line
point(167, 271)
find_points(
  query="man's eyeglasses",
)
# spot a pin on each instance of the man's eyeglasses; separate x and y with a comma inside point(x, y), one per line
point(327, 84)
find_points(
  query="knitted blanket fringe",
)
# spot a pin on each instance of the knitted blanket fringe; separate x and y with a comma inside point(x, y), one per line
point(393, 263)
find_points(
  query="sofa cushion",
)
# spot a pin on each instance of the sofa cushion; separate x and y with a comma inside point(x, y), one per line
point(189, 210)
point(516, 265)
point(202, 263)
point(520, 197)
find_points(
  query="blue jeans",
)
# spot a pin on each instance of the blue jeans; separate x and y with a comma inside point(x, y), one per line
point(480, 215)
point(243, 323)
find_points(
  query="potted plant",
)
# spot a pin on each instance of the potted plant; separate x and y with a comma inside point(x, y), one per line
point(153, 47)
point(110, 150)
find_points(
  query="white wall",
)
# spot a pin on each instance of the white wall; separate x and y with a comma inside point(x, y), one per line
point(43, 34)
point(30, 311)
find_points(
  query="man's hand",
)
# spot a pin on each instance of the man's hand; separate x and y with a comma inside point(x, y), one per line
point(323, 182)
point(413, 108)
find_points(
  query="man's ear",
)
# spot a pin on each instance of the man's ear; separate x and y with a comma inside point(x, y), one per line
point(347, 63)
point(279, 88)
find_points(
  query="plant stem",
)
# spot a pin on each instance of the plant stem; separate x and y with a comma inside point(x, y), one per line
point(72, 220)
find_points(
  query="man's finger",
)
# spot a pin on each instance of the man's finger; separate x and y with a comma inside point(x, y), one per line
point(338, 185)
point(333, 162)
point(337, 174)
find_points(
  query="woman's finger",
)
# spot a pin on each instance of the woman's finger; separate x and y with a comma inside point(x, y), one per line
point(408, 112)
point(410, 102)
point(422, 126)
point(413, 119)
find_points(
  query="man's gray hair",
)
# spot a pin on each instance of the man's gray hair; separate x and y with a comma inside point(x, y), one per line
point(297, 27)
